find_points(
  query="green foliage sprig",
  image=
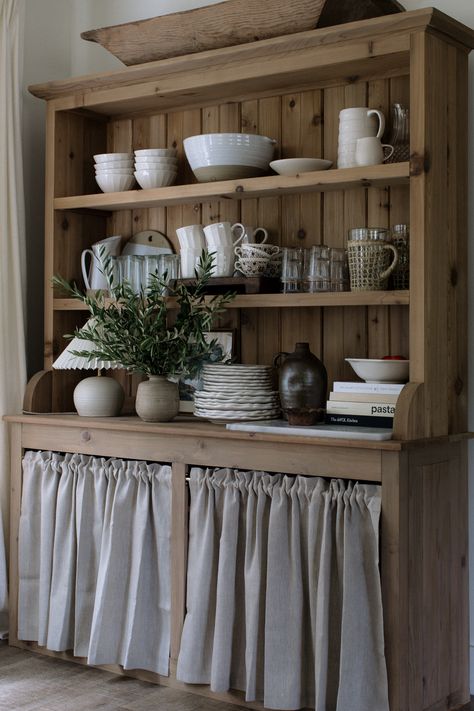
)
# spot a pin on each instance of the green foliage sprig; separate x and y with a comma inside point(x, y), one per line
point(138, 331)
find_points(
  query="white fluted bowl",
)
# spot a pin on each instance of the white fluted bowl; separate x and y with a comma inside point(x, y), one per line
point(148, 179)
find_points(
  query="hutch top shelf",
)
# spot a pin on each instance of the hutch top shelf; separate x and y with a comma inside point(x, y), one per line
point(352, 52)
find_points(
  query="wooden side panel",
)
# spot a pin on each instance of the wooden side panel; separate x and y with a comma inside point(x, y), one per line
point(438, 287)
point(394, 554)
point(438, 580)
point(16, 456)
point(457, 238)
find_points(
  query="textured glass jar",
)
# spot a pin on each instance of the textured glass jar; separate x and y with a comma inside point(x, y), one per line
point(400, 136)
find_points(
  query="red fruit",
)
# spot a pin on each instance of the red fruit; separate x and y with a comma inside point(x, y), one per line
point(398, 357)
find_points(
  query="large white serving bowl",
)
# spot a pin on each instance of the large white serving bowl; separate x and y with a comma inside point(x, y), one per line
point(161, 152)
point(148, 179)
point(227, 156)
point(375, 370)
point(109, 157)
point(114, 182)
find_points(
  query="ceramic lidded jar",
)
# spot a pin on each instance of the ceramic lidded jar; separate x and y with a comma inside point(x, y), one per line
point(303, 385)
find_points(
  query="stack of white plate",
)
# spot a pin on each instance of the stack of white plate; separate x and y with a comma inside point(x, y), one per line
point(236, 392)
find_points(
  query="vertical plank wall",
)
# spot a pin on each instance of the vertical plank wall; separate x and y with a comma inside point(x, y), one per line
point(303, 123)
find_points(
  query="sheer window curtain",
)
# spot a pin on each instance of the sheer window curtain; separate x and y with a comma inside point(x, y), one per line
point(94, 558)
point(12, 249)
point(284, 597)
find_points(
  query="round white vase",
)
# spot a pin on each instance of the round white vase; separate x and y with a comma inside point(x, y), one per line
point(157, 399)
point(98, 396)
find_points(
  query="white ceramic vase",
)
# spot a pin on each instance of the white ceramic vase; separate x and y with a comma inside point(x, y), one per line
point(157, 399)
point(98, 396)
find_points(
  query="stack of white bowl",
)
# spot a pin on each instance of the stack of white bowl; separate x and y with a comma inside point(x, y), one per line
point(228, 156)
point(236, 392)
point(114, 171)
point(156, 167)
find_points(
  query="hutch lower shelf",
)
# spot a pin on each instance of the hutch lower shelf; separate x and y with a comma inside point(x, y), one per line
point(423, 531)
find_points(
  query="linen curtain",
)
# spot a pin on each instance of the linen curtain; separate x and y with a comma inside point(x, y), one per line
point(284, 597)
point(12, 249)
point(94, 558)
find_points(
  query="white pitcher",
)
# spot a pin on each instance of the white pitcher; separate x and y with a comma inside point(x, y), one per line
point(355, 123)
point(93, 278)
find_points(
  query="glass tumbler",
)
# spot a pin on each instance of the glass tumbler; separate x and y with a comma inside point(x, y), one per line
point(130, 270)
point(339, 269)
point(151, 265)
point(292, 269)
point(317, 276)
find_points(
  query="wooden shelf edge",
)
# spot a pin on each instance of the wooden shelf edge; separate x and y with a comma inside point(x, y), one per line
point(262, 301)
point(267, 186)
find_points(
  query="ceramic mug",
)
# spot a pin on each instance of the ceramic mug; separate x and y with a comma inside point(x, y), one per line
point(93, 277)
point(371, 151)
point(189, 260)
point(191, 237)
point(249, 234)
point(220, 241)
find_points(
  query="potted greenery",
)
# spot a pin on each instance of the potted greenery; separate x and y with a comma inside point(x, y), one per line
point(142, 334)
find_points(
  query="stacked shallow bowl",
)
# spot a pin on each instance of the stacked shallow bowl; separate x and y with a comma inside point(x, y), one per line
point(114, 171)
point(156, 167)
point(228, 156)
point(236, 392)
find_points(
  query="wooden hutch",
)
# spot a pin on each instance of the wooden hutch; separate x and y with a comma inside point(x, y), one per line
point(292, 89)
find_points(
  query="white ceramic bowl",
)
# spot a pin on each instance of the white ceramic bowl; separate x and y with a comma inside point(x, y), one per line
point(115, 171)
point(162, 152)
point(109, 157)
point(148, 179)
point(114, 164)
point(293, 166)
point(374, 370)
point(156, 161)
point(114, 183)
point(227, 156)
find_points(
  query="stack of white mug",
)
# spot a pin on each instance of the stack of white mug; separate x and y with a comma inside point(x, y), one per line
point(360, 133)
point(219, 239)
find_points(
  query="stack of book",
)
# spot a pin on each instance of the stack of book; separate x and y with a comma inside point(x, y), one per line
point(362, 404)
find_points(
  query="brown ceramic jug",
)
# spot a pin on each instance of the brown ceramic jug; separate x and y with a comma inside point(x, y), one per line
point(303, 383)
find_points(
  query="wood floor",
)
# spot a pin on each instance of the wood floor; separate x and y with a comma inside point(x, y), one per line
point(30, 682)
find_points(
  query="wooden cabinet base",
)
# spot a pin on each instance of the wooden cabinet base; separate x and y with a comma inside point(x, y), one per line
point(424, 533)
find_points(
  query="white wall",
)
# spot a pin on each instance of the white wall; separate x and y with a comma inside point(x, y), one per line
point(53, 49)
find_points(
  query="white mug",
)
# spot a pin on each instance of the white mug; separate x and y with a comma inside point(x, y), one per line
point(94, 278)
point(191, 237)
point(249, 234)
point(371, 151)
point(220, 241)
point(189, 259)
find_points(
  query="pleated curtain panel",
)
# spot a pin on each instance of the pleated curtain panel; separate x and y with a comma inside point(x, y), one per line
point(284, 597)
point(94, 558)
point(12, 262)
